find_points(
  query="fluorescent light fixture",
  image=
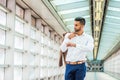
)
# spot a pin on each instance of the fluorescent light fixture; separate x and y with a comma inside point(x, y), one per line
point(70, 19)
point(96, 43)
point(95, 52)
point(113, 9)
point(60, 2)
point(97, 28)
point(115, 0)
point(98, 16)
point(113, 23)
point(96, 38)
point(74, 10)
point(114, 17)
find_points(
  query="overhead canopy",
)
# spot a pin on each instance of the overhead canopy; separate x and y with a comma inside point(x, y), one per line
point(111, 29)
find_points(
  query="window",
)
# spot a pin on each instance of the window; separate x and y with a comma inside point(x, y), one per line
point(33, 33)
point(32, 47)
point(17, 58)
point(31, 74)
point(2, 56)
point(55, 37)
point(43, 28)
point(2, 18)
point(18, 26)
point(31, 59)
point(20, 11)
point(2, 36)
point(1, 73)
point(18, 42)
point(17, 73)
point(33, 21)
point(2, 39)
point(3, 2)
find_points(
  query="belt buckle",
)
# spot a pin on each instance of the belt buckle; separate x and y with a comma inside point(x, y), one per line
point(78, 62)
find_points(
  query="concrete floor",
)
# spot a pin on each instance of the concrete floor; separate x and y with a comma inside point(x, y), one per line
point(98, 76)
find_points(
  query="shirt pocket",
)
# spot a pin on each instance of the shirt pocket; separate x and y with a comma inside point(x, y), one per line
point(82, 42)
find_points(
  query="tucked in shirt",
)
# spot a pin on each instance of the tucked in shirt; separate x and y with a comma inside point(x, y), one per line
point(84, 44)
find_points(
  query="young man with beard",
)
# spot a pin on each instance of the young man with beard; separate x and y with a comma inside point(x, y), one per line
point(77, 44)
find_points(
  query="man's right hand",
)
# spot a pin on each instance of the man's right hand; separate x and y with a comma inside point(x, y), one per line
point(72, 35)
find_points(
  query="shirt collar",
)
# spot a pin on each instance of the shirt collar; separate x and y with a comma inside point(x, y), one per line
point(82, 34)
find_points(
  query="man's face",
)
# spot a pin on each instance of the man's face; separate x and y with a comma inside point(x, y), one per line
point(77, 26)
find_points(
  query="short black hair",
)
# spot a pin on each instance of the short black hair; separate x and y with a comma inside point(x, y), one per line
point(82, 20)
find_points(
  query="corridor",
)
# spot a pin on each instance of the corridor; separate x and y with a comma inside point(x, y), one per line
point(31, 33)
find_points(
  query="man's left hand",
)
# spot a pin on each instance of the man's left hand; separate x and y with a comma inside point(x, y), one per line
point(69, 44)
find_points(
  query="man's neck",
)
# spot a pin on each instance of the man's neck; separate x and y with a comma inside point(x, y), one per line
point(79, 33)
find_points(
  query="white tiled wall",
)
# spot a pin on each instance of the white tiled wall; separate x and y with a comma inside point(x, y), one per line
point(26, 53)
point(112, 65)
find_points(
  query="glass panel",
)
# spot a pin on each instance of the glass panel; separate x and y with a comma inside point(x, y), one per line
point(32, 47)
point(114, 9)
point(19, 11)
point(59, 2)
point(33, 32)
point(17, 74)
point(1, 73)
point(3, 2)
point(18, 26)
point(42, 52)
point(18, 42)
point(17, 58)
point(2, 18)
point(2, 57)
point(33, 21)
point(42, 39)
point(31, 60)
point(2, 37)
point(31, 74)
point(74, 10)
point(113, 17)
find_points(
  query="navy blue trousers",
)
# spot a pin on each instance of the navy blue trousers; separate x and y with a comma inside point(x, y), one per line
point(75, 72)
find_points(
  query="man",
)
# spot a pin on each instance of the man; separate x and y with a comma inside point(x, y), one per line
point(76, 44)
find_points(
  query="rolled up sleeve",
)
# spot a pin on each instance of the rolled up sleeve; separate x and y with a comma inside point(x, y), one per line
point(63, 46)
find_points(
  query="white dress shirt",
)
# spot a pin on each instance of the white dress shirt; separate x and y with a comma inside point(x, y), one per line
point(84, 43)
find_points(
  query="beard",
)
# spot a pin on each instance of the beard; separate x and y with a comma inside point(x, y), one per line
point(77, 30)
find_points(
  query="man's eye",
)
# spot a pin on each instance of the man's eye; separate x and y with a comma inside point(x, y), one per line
point(75, 25)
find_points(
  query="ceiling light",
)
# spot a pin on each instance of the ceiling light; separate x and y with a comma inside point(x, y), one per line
point(113, 9)
point(98, 16)
point(97, 28)
point(96, 43)
point(74, 10)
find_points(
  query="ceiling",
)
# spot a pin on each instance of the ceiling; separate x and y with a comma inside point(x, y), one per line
point(69, 9)
point(111, 29)
point(102, 21)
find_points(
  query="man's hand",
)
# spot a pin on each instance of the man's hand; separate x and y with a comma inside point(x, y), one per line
point(69, 44)
point(71, 35)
